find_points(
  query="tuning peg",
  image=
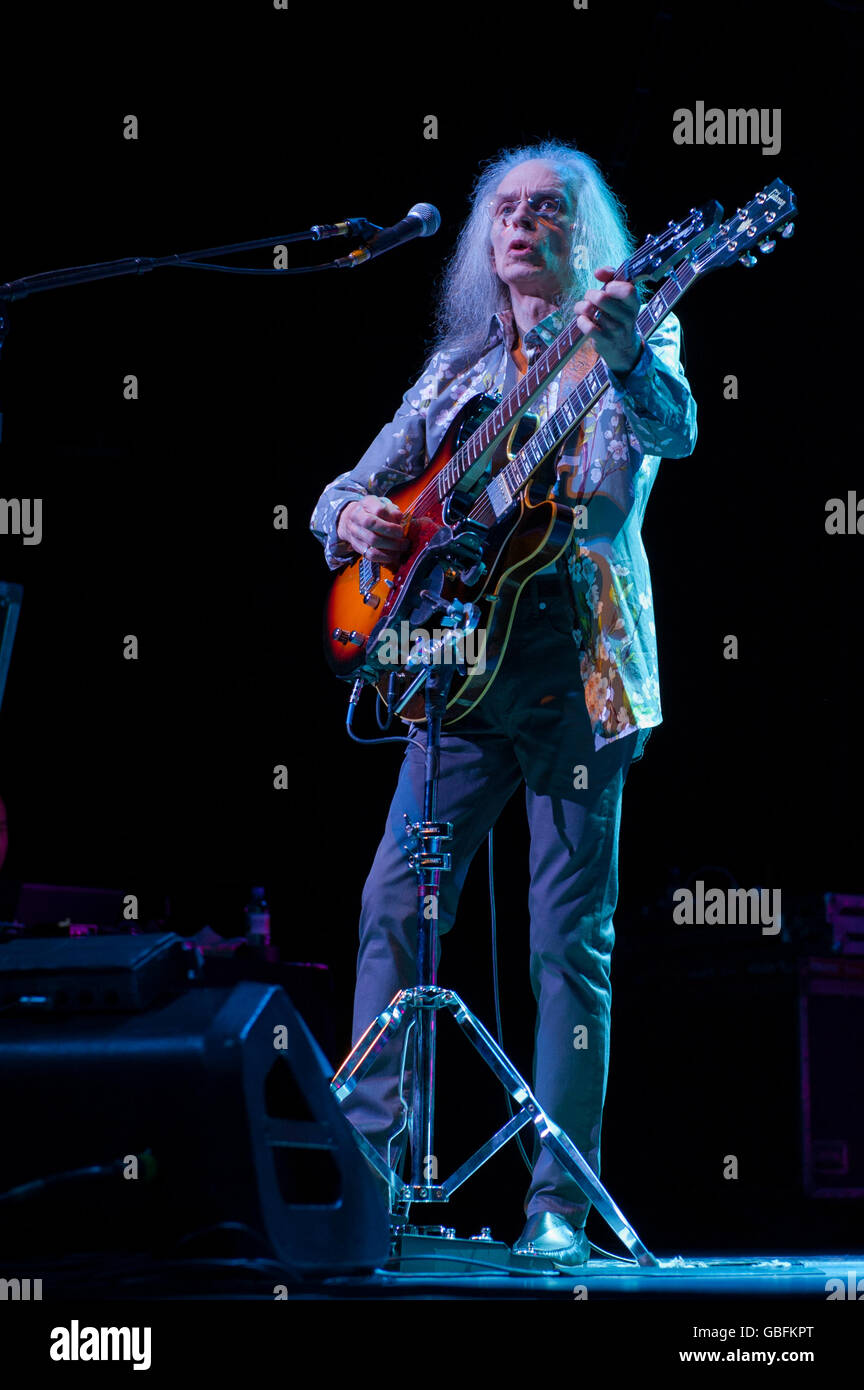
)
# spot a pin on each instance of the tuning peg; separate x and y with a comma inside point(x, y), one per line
point(766, 246)
point(788, 230)
point(747, 259)
point(740, 212)
point(671, 224)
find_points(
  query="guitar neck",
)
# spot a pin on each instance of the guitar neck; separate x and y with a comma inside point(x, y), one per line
point(488, 435)
point(503, 491)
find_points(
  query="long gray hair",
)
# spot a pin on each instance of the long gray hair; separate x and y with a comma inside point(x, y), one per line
point(470, 290)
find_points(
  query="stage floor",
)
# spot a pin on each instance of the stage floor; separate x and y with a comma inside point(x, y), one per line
point(675, 1277)
point(727, 1276)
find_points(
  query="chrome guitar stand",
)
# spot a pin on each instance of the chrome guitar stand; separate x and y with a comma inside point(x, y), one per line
point(416, 1009)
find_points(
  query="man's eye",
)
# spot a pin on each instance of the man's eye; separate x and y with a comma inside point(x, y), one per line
point(506, 210)
point(548, 205)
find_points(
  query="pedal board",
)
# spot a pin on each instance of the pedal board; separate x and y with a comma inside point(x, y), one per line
point(438, 1250)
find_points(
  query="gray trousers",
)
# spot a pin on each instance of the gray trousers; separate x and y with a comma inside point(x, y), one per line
point(532, 727)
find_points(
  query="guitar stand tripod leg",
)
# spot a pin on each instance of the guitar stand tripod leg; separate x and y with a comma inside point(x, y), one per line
point(551, 1136)
point(417, 1007)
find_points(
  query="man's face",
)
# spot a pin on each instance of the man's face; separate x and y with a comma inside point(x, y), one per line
point(531, 244)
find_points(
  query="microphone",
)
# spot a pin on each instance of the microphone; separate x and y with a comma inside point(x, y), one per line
point(422, 220)
point(352, 226)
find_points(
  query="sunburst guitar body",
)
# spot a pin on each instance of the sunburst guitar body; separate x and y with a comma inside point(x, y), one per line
point(373, 609)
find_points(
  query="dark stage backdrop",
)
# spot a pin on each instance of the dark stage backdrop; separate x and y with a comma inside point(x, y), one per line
point(156, 776)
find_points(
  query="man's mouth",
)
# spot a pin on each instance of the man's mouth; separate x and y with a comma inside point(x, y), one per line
point(520, 247)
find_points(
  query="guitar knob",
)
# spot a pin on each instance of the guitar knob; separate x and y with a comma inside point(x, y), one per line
point(788, 230)
point(766, 246)
point(747, 259)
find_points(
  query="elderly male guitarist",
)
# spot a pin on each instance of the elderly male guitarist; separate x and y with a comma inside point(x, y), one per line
point(577, 692)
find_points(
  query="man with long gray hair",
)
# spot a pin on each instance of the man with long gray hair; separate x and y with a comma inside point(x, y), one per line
point(577, 693)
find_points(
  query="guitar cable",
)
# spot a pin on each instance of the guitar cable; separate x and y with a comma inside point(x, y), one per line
point(391, 692)
point(356, 692)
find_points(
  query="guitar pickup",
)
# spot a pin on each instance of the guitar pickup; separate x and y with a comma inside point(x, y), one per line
point(499, 495)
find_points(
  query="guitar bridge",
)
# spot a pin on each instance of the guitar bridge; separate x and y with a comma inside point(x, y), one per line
point(369, 574)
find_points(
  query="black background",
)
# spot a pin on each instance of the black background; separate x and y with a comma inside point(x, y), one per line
point(155, 776)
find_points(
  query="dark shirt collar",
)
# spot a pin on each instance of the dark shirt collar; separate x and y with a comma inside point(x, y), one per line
point(502, 328)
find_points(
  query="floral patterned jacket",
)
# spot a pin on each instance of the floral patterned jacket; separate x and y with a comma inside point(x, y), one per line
point(608, 465)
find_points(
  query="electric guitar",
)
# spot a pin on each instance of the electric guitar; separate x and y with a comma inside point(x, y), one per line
point(367, 598)
point(475, 557)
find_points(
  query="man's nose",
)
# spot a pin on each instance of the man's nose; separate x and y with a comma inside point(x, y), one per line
point(521, 216)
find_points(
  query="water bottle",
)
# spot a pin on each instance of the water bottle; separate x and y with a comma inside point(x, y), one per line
point(258, 919)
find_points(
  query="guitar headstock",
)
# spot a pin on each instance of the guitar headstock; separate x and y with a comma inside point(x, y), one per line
point(756, 224)
point(658, 254)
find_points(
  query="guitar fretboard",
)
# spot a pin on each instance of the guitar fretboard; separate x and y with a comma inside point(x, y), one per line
point(503, 491)
point(513, 403)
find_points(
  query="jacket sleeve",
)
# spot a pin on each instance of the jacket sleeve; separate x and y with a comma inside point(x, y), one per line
point(656, 396)
point(397, 454)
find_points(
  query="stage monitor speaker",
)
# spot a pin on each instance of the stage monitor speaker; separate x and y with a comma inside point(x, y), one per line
point(94, 973)
point(211, 1125)
point(832, 1046)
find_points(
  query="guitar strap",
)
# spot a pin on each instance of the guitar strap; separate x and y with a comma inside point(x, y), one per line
point(511, 376)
